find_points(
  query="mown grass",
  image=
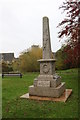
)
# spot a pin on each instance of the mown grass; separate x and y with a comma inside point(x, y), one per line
point(14, 107)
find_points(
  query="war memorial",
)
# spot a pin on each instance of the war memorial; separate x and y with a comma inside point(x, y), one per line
point(48, 85)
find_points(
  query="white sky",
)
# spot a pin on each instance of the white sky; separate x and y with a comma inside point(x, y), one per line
point(21, 24)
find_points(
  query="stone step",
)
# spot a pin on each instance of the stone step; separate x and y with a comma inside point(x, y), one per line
point(47, 91)
point(47, 81)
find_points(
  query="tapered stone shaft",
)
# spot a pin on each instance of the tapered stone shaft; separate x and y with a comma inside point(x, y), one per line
point(46, 39)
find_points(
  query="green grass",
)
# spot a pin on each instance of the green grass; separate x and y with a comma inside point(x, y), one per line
point(14, 107)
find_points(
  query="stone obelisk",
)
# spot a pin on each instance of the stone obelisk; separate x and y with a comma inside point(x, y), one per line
point(48, 83)
point(46, 39)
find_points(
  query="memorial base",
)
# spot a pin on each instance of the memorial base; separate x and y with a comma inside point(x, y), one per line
point(62, 98)
point(47, 91)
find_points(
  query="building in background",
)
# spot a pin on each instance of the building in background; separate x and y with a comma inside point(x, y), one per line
point(7, 57)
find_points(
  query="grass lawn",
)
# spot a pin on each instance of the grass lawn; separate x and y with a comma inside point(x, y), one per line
point(14, 107)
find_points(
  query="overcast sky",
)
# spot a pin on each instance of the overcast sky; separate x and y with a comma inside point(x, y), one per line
point(21, 24)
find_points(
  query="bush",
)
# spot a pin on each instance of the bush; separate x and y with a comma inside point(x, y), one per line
point(6, 67)
point(28, 59)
